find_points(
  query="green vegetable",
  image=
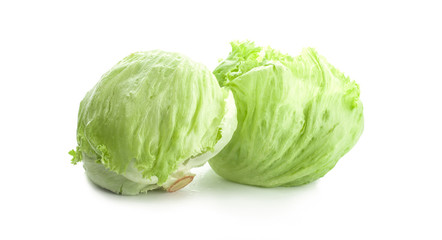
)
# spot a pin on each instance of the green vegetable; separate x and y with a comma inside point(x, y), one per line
point(296, 116)
point(149, 120)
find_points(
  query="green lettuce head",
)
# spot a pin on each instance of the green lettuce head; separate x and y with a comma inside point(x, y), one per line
point(149, 120)
point(296, 116)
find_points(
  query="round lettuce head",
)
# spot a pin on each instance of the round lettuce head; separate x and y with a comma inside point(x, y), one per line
point(296, 116)
point(149, 120)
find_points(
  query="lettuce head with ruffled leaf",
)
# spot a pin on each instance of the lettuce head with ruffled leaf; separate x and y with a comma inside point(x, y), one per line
point(297, 116)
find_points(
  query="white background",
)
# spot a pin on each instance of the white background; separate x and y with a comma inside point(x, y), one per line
point(387, 187)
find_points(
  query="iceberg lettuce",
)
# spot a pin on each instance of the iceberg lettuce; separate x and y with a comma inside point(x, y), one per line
point(297, 116)
point(149, 120)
